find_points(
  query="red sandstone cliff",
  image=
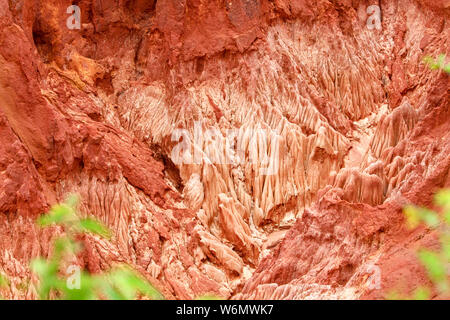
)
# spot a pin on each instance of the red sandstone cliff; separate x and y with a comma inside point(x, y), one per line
point(363, 128)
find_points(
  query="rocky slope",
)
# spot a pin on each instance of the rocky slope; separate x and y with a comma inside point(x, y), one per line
point(302, 134)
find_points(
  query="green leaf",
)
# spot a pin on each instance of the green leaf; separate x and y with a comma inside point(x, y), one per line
point(447, 68)
point(121, 283)
point(95, 227)
point(72, 201)
point(447, 218)
point(129, 284)
point(46, 272)
point(442, 198)
point(144, 287)
point(86, 291)
point(441, 60)
point(430, 218)
point(59, 214)
point(428, 60)
point(3, 281)
point(422, 293)
point(435, 267)
point(110, 292)
point(439, 63)
point(120, 280)
point(412, 216)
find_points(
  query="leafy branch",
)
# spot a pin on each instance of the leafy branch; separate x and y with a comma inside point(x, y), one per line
point(120, 283)
point(436, 263)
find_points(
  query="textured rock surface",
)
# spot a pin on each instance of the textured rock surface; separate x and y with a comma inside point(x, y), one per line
point(355, 124)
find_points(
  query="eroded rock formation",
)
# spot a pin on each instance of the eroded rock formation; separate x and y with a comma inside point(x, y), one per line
point(244, 148)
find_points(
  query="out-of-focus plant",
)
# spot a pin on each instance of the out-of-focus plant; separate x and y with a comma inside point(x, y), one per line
point(436, 263)
point(120, 283)
point(3, 283)
point(438, 64)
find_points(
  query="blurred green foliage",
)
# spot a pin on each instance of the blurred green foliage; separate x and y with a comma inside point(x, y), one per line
point(3, 283)
point(436, 263)
point(438, 64)
point(120, 283)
